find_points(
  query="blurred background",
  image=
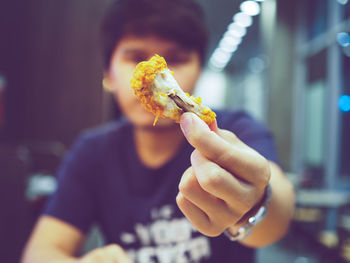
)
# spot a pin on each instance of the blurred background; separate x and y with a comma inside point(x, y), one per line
point(285, 62)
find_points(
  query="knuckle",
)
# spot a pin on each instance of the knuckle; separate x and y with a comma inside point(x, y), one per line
point(212, 179)
point(195, 155)
point(267, 174)
point(213, 230)
point(180, 200)
point(229, 136)
point(227, 156)
point(264, 173)
point(201, 138)
point(228, 219)
point(232, 216)
point(246, 203)
point(265, 179)
point(202, 226)
point(260, 169)
point(184, 188)
point(186, 184)
point(197, 136)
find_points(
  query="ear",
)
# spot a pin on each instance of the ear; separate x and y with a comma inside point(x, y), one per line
point(106, 82)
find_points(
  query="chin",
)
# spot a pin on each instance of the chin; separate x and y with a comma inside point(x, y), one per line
point(162, 124)
point(165, 122)
point(141, 118)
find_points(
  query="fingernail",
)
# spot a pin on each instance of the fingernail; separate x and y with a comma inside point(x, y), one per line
point(185, 123)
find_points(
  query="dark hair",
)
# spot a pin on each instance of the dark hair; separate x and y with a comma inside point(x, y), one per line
point(181, 21)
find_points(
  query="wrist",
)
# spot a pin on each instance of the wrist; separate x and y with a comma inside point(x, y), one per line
point(245, 226)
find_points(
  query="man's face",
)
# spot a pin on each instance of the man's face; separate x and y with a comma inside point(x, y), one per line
point(132, 50)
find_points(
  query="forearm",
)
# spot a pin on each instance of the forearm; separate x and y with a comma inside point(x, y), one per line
point(47, 255)
point(52, 241)
point(279, 213)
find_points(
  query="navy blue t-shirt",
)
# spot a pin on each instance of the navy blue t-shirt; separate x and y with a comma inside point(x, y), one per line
point(103, 181)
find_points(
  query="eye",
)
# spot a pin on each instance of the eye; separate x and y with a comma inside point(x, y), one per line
point(138, 58)
point(134, 57)
point(177, 59)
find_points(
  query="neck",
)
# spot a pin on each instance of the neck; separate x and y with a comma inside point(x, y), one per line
point(156, 146)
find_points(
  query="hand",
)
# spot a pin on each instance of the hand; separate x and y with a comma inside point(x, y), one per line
point(227, 178)
point(107, 254)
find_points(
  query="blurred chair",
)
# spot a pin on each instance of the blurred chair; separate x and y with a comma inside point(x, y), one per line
point(45, 157)
point(26, 180)
point(14, 223)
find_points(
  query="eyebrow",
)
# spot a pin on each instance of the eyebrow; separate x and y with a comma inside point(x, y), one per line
point(133, 50)
point(140, 50)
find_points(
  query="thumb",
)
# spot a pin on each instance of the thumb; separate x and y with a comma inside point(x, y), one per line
point(191, 124)
point(198, 133)
point(193, 127)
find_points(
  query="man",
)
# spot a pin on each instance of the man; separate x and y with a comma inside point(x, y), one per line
point(163, 193)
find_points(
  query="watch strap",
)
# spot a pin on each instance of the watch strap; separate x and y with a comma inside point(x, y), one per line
point(246, 229)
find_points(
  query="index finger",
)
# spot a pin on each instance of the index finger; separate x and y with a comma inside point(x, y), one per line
point(236, 158)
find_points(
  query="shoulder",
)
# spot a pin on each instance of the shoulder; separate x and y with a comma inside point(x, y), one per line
point(229, 116)
point(103, 134)
point(93, 144)
point(239, 122)
point(90, 149)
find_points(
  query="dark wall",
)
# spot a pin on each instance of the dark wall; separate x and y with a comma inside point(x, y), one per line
point(49, 55)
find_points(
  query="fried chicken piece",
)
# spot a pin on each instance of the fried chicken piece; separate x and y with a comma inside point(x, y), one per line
point(155, 86)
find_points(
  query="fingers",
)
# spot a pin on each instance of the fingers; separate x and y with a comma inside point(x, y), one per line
point(227, 151)
point(207, 213)
point(212, 206)
point(215, 180)
point(194, 214)
point(226, 180)
point(238, 195)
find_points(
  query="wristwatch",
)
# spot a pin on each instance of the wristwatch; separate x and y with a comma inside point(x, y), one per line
point(246, 229)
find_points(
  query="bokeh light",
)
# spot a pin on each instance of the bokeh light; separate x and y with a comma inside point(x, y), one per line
point(343, 2)
point(230, 40)
point(236, 30)
point(234, 34)
point(343, 39)
point(344, 103)
point(243, 19)
point(251, 8)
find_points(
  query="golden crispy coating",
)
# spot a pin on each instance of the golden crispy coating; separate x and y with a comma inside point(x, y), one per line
point(142, 83)
point(158, 91)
